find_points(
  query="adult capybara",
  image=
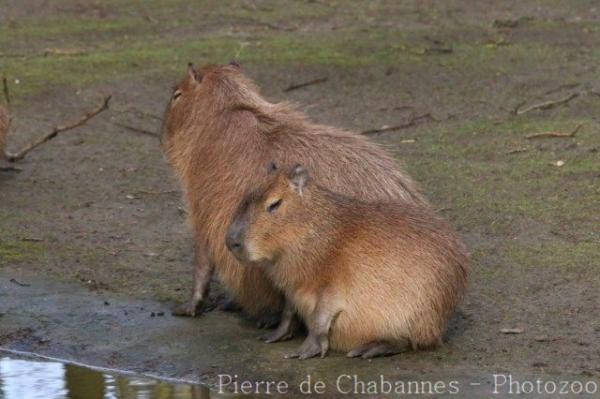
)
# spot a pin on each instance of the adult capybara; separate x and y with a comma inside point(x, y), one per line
point(367, 278)
point(219, 133)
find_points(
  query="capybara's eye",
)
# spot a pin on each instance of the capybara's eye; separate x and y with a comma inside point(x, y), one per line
point(176, 94)
point(273, 206)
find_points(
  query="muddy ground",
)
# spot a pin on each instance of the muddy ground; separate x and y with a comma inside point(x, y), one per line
point(95, 214)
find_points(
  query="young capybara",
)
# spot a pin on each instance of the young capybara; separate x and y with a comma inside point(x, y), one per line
point(367, 278)
point(218, 134)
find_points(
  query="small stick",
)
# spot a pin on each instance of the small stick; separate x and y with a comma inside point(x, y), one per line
point(517, 150)
point(10, 169)
point(21, 153)
point(137, 129)
point(140, 113)
point(309, 83)
point(554, 134)
point(150, 192)
point(547, 104)
point(12, 280)
point(512, 331)
point(517, 107)
point(148, 17)
point(562, 87)
point(408, 124)
point(5, 90)
point(32, 239)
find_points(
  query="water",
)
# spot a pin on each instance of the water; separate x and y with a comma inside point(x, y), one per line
point(33, 379)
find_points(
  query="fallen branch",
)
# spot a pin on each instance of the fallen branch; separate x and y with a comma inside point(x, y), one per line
point(140, 113)
point(562, 87)
point(150, 192)
point(510, 23)
point(408, 124)
point(309, 83)
point(32, 239)
point(148, 17)
point(427, 50)
point(273, 26)
point(512, 331)
point(5, 90)
point(20, 284)
point(10, 169)
point(63, 52)
point(515, 110)
point(137, 129)
point(547, 104)
point(572, 133)
point(4, 126)
point(21, 153)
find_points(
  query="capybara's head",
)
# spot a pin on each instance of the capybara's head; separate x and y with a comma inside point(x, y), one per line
point(201, 99)
point(270, 218)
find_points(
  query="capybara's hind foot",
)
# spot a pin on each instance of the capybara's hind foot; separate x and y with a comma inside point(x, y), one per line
point(187, 309)
point(378, 348)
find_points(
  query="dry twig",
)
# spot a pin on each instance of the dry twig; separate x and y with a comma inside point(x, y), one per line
point(49, 136)
point(152, 192)
point(562, 87)
point(140, 113)
point(512, 331)
point(309, 83)
point(5, 90)
point(572, 133)
point(20, 284)
point(137, 129)
point(547, 104)
point(10, 169)
point(412, 122)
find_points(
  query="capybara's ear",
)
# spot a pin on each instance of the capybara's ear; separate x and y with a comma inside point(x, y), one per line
point(271, 167)
point(298, 177)
point(235, 63)
point(197, 76)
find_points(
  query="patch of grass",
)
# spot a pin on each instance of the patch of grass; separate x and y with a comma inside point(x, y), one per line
point(100, 66)
point(12, 251)
point(466, 166)
point(555, 254)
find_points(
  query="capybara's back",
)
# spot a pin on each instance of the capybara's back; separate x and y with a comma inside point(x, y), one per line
point(219, 134)
point(406, 272)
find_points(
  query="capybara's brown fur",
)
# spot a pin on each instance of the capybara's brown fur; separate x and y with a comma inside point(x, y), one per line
point(375, 277)
point(219, 133)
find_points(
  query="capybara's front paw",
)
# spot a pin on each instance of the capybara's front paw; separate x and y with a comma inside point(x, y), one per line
point(311, 347)
point(187, 309)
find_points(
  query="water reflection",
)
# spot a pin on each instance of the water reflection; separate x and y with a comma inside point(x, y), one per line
point(28, 379)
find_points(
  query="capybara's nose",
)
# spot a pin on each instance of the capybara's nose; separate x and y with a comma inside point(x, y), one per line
point(233, 240)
